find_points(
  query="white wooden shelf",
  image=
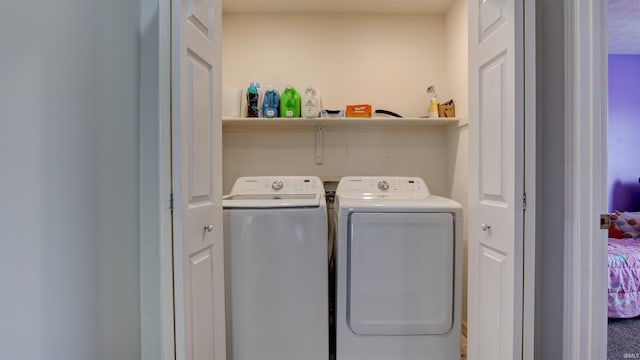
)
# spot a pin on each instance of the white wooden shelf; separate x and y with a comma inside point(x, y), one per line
point(418, 121)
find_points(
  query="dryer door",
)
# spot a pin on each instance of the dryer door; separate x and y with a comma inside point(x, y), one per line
point(400, 273)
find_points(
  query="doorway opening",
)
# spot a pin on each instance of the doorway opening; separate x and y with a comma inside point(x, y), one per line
point(623, 185)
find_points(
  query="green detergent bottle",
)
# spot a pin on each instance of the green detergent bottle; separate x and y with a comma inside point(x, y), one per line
point(290, 103)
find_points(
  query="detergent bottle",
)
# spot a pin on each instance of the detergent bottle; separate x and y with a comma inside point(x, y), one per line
point(270, 103)
point(253, 99)
point(311, 105)
point(290, 103)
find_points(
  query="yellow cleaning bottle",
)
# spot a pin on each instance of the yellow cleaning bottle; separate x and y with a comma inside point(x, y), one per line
point(433, 105)
point(433, 108)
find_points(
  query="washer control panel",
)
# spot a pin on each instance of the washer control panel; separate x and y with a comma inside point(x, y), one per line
point(383, 187)
point(278, 184)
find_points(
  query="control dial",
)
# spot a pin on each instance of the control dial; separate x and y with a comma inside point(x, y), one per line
point(277, 185)
point(383, 185)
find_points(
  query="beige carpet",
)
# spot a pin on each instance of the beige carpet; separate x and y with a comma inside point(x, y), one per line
point(463, 347)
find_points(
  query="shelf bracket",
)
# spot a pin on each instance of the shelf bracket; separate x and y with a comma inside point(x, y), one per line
point(318, 143)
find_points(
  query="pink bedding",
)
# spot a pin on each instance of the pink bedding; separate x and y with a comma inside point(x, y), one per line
point(624, 278)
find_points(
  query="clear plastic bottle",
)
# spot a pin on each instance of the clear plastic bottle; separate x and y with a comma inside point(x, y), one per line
point(290, 103)
point(270, 103)
point(253, 99)
point(310, 103)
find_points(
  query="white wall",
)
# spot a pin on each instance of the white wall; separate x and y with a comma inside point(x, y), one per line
point(69, 193)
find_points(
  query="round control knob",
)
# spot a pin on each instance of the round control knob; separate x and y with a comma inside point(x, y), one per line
point(277, 185)
point(485, 227)
point(209, 227)
point(383, 185)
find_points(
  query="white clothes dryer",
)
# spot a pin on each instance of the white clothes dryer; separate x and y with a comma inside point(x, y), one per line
point(398, 270)
point(275, 232)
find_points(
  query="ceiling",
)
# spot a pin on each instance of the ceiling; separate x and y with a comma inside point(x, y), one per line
point(335, 6)
point(623, 19)
point(624, 27)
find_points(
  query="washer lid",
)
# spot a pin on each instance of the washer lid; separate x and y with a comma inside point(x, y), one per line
point(275, 192)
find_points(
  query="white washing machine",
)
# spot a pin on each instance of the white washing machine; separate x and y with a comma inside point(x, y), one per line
point(275, 232)
point(398, 270)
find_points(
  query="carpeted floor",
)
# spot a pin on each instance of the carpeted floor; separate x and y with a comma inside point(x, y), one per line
point(463, 347)
point(623, 339)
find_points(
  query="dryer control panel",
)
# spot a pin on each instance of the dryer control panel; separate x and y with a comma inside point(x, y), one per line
point(392, 187)
point(278, 185)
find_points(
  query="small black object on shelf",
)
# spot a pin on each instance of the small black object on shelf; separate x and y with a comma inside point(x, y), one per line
point(387, 112)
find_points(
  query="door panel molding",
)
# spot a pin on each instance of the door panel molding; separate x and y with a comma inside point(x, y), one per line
point(585, 250)
point(198, 250)
point(496, 179)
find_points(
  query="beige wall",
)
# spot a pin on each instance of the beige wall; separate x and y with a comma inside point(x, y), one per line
point(456, 50)
point(457, 57)
point(383, 60)
point(457, 173)
point(348, 150)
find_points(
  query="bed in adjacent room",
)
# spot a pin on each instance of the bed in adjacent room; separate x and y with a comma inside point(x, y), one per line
point(624, 265)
